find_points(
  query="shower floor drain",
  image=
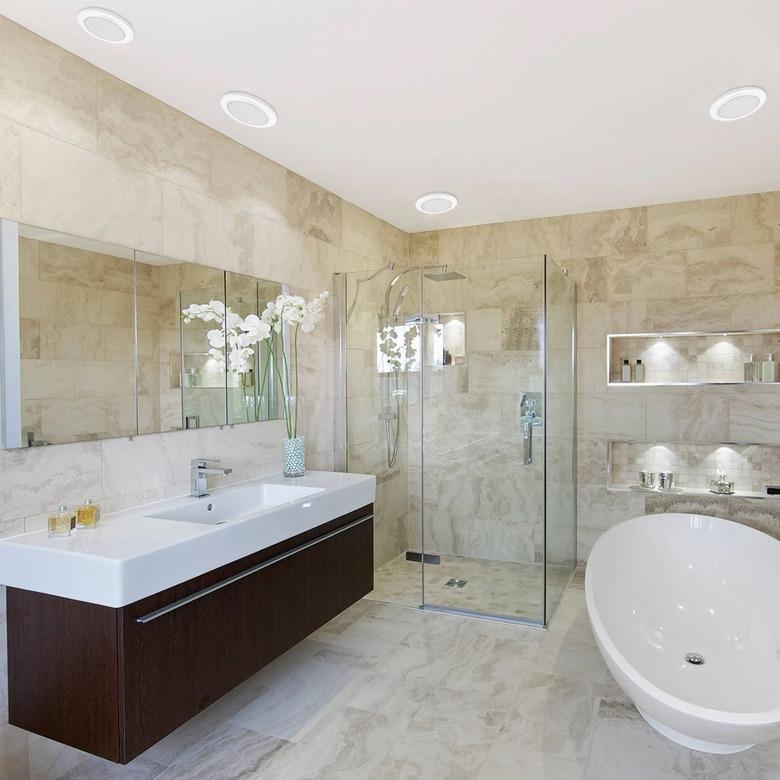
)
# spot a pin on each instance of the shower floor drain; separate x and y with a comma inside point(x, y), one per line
point(694, 658)
point(455, 583)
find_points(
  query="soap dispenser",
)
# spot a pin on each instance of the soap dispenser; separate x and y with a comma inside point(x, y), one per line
point(769, 369)
point(639, 371)
point(625, 371)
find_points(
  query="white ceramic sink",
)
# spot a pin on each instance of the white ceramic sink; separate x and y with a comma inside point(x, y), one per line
point(240, 504)
point(146, 549)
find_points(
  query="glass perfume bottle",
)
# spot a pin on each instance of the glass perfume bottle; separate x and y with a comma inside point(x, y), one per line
point(61, 522)
point(88, 514)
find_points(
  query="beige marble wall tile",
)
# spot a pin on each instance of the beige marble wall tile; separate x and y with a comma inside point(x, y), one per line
point(361, 233)
point(759, 310)
point(695, 415)
point(204, 230)
point(395, 246)
point(619, 415)
point(480, 244)
point(642, 277)
point(90, 196)
point(689, 225)
point(736, 269)
point(755, 418)
point(755, 218)
point(604, 233)
point(246, 179)
point(424, 248)
point(47, 379)
point(547, 236)
point(483, 330)
point(590, 276)
point(37, 479)
point(687, 314)
point(136, 129)
point(313, 210)
point(47, 88)
point(10, 171)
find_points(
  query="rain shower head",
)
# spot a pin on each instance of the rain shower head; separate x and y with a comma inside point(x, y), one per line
point(443, 275)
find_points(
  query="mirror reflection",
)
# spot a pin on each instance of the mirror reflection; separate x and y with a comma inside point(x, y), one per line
point(107, 347)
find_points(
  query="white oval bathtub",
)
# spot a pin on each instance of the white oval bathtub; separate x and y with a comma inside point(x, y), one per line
point(659, 587)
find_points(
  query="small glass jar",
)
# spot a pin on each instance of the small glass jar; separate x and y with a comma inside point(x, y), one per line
point(61, 522)
point(88, 514)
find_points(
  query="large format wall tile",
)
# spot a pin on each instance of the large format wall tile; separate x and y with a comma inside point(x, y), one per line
point(638, 277)
point(612, 416)
point(608, 233)
point(313, 210)
point(732, 269)
point(248, 180)
point(533, 237)
point(755, 418)
point(699, 415)
point(90, 195)
point(47, 88)
point(756, 218)
point(361, 233)
point(688, 225)
point(141, 131)
point(10, 172)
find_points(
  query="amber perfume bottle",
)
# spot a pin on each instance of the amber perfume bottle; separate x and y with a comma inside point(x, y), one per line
point(88, 514)
point(61, 522)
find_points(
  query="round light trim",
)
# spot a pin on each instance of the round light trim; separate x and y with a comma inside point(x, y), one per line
point(248, 109)
point(436, 203)
point(737, 103)
point(105, 25)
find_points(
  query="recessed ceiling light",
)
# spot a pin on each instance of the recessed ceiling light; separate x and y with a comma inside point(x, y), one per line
point(737, 103)
point(248, 109)
point(105, 25)
point(436, 202)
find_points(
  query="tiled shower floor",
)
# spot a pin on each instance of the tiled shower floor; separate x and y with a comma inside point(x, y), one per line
point(497, 587)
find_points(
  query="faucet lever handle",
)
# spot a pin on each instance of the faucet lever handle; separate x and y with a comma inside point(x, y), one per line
point(203, 463)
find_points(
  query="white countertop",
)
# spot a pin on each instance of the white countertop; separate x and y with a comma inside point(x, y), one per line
point(133, 555)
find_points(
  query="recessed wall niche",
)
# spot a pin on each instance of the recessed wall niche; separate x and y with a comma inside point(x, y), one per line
point(694, 358)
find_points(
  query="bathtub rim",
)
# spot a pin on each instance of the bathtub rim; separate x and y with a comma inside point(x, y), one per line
point(763, 718)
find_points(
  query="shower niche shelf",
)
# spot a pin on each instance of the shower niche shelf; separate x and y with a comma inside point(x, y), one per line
point(688, 358)
point(750, 466)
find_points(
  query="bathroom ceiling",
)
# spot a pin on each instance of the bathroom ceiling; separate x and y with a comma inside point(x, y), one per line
point(521, 109)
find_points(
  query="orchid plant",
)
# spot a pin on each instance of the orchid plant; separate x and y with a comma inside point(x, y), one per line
point(237, 337)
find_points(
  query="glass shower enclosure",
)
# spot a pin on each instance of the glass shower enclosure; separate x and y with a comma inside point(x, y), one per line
point(460, 396)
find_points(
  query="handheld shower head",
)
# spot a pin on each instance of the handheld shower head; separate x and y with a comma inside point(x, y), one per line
point(397, 308)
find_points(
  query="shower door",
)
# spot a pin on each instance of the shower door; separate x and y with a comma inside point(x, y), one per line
point(459, 396)
point(483, 443)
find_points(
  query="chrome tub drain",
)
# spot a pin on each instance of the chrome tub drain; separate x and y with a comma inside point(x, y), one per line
point(694, 658)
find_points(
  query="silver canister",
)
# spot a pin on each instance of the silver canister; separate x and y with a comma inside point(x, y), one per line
point(646, 479)
point(665, 480)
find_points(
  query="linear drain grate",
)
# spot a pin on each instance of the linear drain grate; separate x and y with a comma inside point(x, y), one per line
point(455, 583)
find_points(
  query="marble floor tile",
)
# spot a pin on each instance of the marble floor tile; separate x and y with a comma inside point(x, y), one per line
point(227, 754)
point(628, 748)
point(351, 743)
point(300, 687)
point(761, 762)
point(14, 753)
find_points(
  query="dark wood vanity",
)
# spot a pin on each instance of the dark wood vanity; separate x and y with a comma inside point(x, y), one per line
point(113, 681)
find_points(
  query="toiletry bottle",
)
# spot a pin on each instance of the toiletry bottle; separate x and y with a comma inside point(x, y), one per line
point(625, 371)
point(639, 371)
point(750, 367)
point(88, 514)
point(60, 522)
point(769, 369)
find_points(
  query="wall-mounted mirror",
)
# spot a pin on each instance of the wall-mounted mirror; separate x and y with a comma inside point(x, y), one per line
point(98, 343)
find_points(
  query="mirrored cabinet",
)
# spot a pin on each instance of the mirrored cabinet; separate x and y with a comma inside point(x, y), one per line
point(98, 341)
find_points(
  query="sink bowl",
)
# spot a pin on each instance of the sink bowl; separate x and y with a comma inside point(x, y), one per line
point(235, 504)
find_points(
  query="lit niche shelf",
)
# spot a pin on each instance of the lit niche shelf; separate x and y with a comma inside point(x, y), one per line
point(750, 466)
point(685, 359)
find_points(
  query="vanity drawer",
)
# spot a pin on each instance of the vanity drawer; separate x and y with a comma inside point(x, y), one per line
point(181, 656)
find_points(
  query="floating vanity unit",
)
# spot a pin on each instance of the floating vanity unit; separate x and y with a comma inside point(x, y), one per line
point(118, 635)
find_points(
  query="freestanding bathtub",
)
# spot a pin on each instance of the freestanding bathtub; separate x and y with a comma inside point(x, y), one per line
point(686, 613)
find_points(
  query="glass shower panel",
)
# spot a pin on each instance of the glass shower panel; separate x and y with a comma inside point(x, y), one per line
point(483, 446)
point(560, 482)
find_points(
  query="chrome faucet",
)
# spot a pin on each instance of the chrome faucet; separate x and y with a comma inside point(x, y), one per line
point(529, 419)
point(201, 468)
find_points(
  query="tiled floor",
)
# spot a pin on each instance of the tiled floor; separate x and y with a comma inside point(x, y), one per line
point(497, 587)
point(389, 692)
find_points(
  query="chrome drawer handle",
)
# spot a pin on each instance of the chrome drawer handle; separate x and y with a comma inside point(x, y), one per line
point(199, 594)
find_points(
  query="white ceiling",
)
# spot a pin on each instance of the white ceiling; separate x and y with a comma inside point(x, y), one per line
point(521, 108)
